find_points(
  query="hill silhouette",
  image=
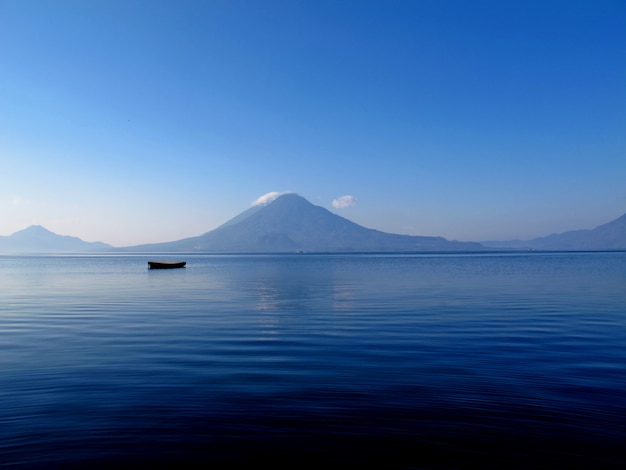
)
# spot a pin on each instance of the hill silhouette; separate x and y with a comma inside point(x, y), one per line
point(37, 239)
point(609, 236)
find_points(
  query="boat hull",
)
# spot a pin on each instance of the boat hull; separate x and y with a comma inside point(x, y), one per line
point(166, 264)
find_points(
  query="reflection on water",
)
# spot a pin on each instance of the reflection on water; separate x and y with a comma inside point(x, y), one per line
point(427, 361)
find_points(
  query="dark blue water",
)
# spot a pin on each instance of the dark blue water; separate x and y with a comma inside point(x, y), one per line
point(410, 361)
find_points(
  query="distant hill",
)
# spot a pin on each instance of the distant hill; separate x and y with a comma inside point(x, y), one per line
point(290, 223)
point(609, 236)
point(37, 239)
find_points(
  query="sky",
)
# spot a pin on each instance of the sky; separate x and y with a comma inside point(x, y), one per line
point(131, 121)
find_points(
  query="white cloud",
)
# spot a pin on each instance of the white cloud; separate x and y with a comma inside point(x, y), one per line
point(266, 199)
point(344, 201)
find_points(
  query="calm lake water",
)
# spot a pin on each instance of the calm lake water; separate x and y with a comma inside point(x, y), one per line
point(413, 361)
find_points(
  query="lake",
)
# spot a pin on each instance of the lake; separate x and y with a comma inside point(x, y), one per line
point(498, 360)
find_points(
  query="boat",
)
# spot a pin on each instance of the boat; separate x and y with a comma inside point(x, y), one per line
point(166, 264)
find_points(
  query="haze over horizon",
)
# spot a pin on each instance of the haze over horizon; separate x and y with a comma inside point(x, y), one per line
point(149, 121)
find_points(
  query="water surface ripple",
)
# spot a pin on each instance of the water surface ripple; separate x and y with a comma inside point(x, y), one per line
point(416, 361)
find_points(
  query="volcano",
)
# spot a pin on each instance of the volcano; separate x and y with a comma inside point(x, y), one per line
point(290, 223)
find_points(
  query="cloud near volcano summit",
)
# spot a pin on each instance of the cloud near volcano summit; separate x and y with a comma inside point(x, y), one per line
point(266, 198)
point(344, 201)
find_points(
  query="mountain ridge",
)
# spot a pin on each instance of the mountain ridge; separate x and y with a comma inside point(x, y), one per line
point(38, 239)
point(290, 223)
point(608, 236)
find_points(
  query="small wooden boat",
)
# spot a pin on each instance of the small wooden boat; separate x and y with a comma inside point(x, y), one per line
point(166, 264)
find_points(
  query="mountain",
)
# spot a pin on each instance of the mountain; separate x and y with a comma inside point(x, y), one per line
point(290, 223)
point(609, 236)
point(37, 239)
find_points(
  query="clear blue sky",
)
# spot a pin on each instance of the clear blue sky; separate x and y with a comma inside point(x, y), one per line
point(144, 121)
